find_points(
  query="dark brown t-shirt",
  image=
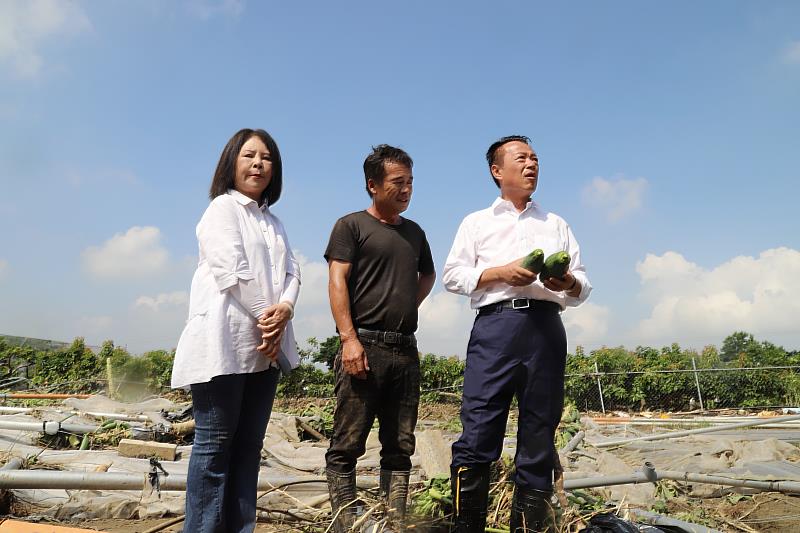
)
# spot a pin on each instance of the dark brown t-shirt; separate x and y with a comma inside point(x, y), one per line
point(386, 260)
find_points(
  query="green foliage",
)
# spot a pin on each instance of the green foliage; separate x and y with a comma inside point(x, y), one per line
point(321, 353)
point(440, 372)
point(306, 380)
point(636, 379)
point(75, 367)
point(435, 499)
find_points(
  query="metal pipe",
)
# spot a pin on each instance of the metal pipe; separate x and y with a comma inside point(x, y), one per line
point(697, 384)
point(684, 433)
point(48, 427)
point(573, 442)
point(655, 519)
point(54, 479)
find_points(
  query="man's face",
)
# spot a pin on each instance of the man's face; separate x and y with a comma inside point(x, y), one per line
point(394, 194)
point(516, 167)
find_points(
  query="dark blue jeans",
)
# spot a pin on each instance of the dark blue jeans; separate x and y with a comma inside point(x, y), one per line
point(510, 352)
point(231, 414)
point(390, 392)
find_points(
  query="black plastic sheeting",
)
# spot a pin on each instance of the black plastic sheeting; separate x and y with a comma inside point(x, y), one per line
point(610, 523)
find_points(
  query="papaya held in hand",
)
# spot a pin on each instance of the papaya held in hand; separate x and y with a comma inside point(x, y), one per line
point(534, 261)
point(555, 266)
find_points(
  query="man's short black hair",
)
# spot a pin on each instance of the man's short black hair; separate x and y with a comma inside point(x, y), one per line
point(375, 163)
point(491, 153)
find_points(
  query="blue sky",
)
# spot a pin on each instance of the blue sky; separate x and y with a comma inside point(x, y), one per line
point(667, 134)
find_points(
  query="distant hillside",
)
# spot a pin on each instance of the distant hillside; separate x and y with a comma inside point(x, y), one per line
point(36, 344)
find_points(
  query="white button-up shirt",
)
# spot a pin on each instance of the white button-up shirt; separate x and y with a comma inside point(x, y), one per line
point(499, 235)
point(238, 241)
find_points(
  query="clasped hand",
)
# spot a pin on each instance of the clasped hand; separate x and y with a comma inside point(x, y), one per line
point(273, 325)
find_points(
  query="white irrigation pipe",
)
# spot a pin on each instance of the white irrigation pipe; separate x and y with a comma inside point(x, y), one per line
point(675, 434)
point(661, 520)
point(15, 463)
point(573, 442)
point(48, 427)
point(107, 416)
point(712, 420)
point(648, 473)
point(55, 479)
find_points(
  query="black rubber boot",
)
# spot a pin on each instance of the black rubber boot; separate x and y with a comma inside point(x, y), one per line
point(470, 486)
point(342, 489)
point(394, 491)
point(532, 512)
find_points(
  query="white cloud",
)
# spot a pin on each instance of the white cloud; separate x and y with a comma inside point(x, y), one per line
point(445, 321)
point(791, 54)
point(617, 198)
point(586, 325)
point(206, 9)
point(760, 295)
point(135, 254)
point(313, 313)
point(26, 25)
point(163, 301)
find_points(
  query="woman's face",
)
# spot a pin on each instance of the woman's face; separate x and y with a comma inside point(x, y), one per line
point(253, 169)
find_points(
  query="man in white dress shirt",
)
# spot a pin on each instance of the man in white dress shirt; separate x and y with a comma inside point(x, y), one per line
point(518, 345)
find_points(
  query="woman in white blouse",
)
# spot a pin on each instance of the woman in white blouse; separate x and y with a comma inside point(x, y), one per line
point(238, 334)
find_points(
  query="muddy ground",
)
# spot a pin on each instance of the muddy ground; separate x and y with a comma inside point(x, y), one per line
point(763, 512)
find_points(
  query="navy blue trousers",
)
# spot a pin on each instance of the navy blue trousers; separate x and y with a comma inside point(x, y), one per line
point(522, 352)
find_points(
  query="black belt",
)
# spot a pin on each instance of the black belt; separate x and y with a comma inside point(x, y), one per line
point(520, 303)
point(387, 337)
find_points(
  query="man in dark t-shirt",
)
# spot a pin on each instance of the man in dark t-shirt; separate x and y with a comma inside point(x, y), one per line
point(380, 270)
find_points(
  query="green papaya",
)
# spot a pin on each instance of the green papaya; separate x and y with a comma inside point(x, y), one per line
point(534, 261)
point(555, 266)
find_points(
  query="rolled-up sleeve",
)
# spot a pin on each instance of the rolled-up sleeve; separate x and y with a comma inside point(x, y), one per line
point(460, 275)
point(578, 270)
point(221, 243)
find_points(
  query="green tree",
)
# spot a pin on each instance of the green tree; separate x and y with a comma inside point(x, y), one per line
point(736, 344)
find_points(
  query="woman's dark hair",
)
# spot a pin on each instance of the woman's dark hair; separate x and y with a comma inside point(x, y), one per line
point(375, 163)
point(225, 174)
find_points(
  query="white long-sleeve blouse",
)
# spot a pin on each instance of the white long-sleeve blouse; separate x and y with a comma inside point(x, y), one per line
point(238, 240)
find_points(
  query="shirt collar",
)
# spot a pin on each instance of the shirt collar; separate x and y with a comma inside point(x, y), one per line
point(505, 206)
point(246, 200)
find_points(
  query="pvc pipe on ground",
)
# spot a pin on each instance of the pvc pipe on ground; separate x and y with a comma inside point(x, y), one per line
point(15, 463)
point(648, 473)
point(54, 479)
point(48, 427)
point(675, 434)
point(655, 519)
point(640, 421)
point(573, 442)
point(107, 416)
point(34, 396)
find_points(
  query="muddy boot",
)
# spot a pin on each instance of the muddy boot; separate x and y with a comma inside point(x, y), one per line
point(532, 512)
point(470, 485)
point(394, 491)
point(342, 489)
